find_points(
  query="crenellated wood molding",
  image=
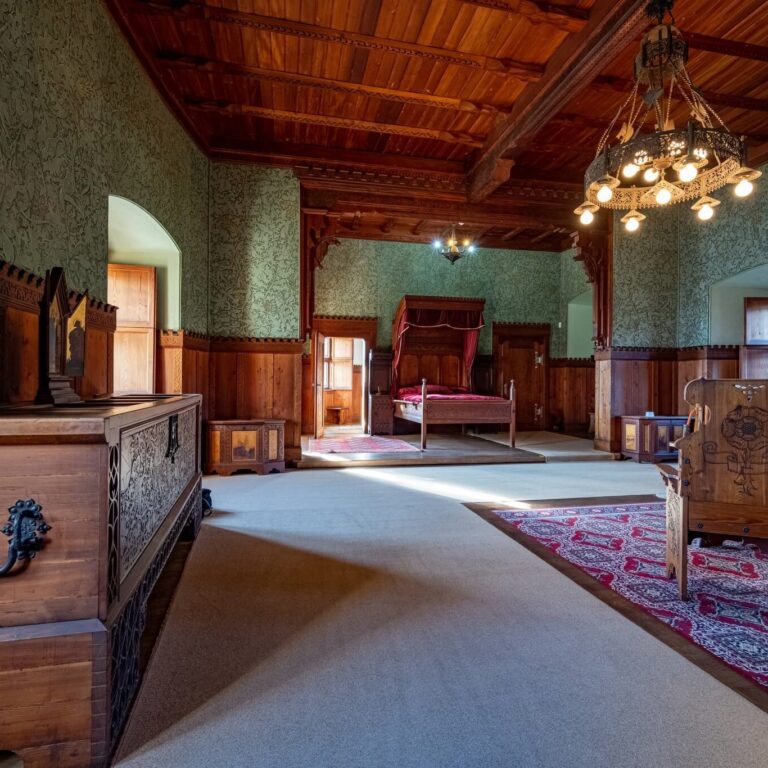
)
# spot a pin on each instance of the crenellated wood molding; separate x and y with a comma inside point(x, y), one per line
point(571, 362)
point(256, 345)
point(182, 339)
point(709, 352)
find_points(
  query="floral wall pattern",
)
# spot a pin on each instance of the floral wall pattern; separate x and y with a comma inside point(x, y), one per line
point(573, 282)
point(645, 282)
point(734, 240)
point(80, 120)
point(362, 277)
point(255, 241)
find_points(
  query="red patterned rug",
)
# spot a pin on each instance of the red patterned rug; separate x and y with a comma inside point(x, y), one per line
point(361, 444)
point(623, 548)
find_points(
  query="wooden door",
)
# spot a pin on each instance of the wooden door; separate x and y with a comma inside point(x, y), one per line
point(133, 290)
point(525, 358)
point(318, 354)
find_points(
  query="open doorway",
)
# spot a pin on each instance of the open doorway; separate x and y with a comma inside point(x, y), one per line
point(144, 284)
point(341, 376)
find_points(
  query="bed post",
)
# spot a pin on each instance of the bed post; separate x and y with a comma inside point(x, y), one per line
point(423, 414)
point(512, 414)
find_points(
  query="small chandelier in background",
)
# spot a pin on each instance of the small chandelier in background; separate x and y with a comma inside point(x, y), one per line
point(670, 165)
point(451, 249)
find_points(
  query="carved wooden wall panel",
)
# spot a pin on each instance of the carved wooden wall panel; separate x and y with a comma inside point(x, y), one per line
point(572, 392)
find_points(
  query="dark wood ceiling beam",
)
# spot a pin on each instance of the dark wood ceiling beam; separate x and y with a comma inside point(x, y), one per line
point(220, 67)
point(612, 26)
point(196, 11)
point(565, 17)
point(725, 47)
point(512, 233)
point(328, 121)
point(621, 85)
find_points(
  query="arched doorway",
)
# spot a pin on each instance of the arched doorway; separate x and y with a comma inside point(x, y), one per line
point(144, 268)
point(579, 329)
point(726, 304)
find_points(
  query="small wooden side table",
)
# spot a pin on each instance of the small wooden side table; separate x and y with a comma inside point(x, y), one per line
point(648, 438)
point(255, 444)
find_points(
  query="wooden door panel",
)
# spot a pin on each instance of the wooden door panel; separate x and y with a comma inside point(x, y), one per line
point(318, 356)
point(132, 290)
point(132, 350)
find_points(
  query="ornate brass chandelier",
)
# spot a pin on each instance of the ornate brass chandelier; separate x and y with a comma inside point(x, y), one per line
point(451, 249)
point(670, 165)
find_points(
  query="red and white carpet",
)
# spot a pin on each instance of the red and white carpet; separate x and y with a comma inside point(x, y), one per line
point(359, 444)
point(623, 547)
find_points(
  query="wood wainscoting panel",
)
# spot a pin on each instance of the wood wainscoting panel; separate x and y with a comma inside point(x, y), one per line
point(572, 392)
point(183, 365)
point(753, 362)
point(20, 363)
point(710, 362)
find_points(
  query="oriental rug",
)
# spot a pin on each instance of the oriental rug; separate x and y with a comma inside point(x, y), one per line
point(359, 444)
point(621, 548)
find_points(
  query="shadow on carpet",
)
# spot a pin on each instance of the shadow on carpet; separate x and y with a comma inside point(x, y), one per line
point(617, 551)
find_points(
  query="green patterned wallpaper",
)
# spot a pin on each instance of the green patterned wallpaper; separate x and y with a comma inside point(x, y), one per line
point(734, 240)
point(254, 251)
point(80, 120)
point(363, 277)
point(573, 282)
point(645, 280)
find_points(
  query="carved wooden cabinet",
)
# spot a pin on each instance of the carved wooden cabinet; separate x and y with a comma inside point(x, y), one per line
point(381, 419)
point(255, 444)
point(118, 482)
point(648, 438)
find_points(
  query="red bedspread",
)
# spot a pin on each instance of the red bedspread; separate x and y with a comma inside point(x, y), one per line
point(410, 398)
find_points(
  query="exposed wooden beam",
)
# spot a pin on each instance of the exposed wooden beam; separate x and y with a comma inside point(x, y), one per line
point(565, 17)
point(328, 121)
point(733, 48)
point(196, 11)
point(178, 60)
point(416, 230)
point(575, 64)
point(749, 103)
point(512, 233)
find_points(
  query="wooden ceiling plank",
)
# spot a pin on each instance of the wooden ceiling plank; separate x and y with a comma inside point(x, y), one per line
point(521, 69)
point(564, 17)
point(327, 121)
point(575, 64)
point(179, 60)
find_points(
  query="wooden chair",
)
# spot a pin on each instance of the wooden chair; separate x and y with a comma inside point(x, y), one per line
point(720, 487)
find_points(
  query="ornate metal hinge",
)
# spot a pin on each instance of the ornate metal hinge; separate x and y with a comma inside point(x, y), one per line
point(25, 529)
point(173, 437)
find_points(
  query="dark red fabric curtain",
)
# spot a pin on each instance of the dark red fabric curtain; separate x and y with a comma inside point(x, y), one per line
point(468, 321)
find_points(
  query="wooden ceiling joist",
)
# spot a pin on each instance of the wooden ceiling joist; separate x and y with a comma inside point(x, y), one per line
point(194, 11)
point(611, 27)
point(178, 60)
point(565, 17)
point(726, 47)
point(328, 121)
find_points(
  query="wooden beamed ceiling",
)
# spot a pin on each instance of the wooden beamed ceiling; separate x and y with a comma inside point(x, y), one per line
point(410, 115)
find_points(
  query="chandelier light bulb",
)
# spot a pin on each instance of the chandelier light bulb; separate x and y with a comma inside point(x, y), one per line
point(744, 188)
point(466, 243)
point(706, 212)
point(663, 196)
point(630, 171)
point(604, 194)
point(650, 175)
point(586, 217)
point(632, 225)
point(471, 248)
point(688, 173)
point(436, 244)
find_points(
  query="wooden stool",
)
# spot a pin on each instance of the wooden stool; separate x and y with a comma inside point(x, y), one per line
point(340, 414)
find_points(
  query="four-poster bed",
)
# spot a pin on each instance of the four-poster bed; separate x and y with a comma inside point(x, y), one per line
point(434, 342)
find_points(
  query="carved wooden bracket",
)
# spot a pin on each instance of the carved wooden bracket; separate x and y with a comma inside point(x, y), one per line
point(594, 249)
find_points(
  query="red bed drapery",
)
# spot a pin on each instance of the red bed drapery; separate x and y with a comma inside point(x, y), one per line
point(465, 315)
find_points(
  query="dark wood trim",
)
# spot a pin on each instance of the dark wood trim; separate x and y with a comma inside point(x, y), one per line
point(571, 362)
point(503, 330)
point(182, 339)
point(709, 352)
point(348, 327)
point(249, 344)
point(636, 353)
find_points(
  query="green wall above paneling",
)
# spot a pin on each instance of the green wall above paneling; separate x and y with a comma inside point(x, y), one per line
point(254, 251)
point(362, 277)
point(81, 120)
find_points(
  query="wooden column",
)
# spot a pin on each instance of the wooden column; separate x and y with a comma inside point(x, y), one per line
point(183, 359)
point(317, 233)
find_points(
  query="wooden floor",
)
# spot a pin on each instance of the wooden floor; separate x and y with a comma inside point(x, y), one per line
point(441, 449)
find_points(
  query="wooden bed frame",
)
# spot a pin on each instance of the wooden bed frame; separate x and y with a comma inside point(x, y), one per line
point(431, 411)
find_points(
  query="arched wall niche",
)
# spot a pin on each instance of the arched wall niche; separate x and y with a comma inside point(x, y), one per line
point(579, 328)
point(726, 303)
point(137, 237)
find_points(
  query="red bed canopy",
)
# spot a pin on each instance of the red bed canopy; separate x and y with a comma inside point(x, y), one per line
point(454, 313)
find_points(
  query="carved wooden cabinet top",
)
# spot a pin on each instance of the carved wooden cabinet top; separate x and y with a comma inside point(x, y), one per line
point(89, 421)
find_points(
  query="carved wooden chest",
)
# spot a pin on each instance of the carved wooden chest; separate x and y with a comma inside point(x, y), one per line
point(648, 438)
point(381, 415)
point(106, 489)
point(255, 444)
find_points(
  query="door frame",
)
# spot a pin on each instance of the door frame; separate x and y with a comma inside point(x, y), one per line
point(364, 328)
point(506, 332)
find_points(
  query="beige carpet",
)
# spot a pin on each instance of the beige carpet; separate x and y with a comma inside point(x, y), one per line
point(364, 618)
point(554, 446)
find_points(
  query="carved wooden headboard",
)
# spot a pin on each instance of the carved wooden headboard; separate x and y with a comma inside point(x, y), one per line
point(436, 354)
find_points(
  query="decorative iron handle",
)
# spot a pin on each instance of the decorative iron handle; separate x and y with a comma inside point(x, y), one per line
point(173, 437)
point(25, 529)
